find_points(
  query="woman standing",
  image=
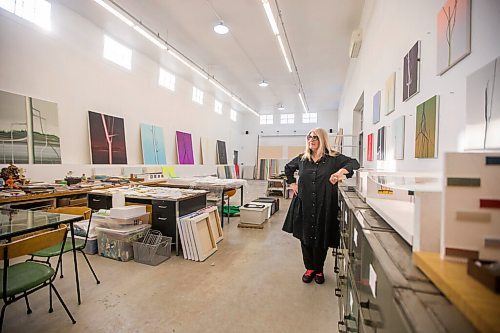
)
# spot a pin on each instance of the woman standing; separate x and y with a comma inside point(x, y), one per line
point(312, 216)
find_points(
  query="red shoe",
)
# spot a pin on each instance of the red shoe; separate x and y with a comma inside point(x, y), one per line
point(308, 276)
point(319, 278)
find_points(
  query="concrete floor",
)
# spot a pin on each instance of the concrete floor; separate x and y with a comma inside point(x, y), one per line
point(251, 284)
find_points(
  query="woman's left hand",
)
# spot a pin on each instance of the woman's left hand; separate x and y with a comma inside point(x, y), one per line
point(337, 176)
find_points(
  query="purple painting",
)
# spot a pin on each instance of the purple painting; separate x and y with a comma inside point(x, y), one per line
point(184, 148)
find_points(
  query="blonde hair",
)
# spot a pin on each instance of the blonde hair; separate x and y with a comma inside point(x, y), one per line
point(324, 145)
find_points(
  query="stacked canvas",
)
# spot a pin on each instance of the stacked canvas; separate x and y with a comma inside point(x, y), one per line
point(199, 233)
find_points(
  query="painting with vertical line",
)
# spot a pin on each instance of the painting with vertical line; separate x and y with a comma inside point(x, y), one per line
point(426, 129)
point(381, 144)
point(107, 139)
point(369, 148)
point(184, 147)
point(482, 112)
point(453, 34)
point(411, 72)
point(153, 144)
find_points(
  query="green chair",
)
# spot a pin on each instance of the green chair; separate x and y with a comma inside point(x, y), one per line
point(53, 251)
point(24, 278)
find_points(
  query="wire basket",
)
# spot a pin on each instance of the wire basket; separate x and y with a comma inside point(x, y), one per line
point(153, 249)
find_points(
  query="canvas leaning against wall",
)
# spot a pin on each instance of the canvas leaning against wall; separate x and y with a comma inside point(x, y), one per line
point(482, 117)
point(184, 147)
point(107, 139)
point(369, 148)
point(389, 94)
point(398, 132)
point(23, 141)
point(221, 152)
point(208, 151)
point(411, 72)
point(153, 144)
point(453, 34)
point(376, 107)
point(426, 129)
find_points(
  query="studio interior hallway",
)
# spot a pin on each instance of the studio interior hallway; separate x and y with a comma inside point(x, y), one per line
point(251, 284)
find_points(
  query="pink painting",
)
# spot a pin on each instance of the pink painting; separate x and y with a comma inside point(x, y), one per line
point(184, 147)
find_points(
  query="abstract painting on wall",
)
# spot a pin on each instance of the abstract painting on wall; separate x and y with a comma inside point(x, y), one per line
point(221, 152)
point(411, 72)
point(45, 128)
point(16, 137)
point(107, 139)
point(208, 151)
point(398, 133)
point(184, 148)
point(381, 143)
point(369, 148)
point(235, 157)
point(482, 117)
point(453, 34)
point(153, 144)
point(376, 107)
point(389, 94)
point(426, 129)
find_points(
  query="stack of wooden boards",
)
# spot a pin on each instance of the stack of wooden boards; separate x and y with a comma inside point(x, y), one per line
point(199, 233)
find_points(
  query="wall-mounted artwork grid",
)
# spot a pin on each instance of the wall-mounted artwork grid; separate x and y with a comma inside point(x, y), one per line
point(426, 129)
point(153, 144)
point(453, 34)
point(184, 148)
point(483, 107)
point(411, 72)
point(221, 152)
point(376, 107)
point(107, 139)
point(22, 141)
point(398, 132)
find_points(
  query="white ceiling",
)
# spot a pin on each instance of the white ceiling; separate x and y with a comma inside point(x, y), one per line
point(318, 31)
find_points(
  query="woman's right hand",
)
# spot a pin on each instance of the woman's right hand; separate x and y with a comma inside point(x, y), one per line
point(295, 188)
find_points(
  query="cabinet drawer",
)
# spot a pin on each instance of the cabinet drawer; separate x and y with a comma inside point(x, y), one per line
point(96, 202)
point(165, 223)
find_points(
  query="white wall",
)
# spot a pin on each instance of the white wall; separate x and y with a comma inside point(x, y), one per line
point(390, 28)
point(66, 66)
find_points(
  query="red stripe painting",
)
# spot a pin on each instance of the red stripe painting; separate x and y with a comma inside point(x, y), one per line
point(489, 203)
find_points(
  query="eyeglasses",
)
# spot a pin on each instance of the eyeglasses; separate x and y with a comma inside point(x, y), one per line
point(312, 137)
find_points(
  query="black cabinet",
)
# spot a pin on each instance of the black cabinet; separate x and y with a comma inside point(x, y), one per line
point(99, 201)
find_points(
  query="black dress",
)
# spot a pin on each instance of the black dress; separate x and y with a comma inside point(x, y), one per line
point(312, 216)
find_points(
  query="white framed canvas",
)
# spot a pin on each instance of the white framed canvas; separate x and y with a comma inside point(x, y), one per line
point(215, 223)
point(389, 94)
point(398, 133)
point(204, 239)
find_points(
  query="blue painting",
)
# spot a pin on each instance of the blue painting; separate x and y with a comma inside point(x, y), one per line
point(153, 144)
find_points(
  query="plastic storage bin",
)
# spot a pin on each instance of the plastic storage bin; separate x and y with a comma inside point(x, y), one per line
point(111, 223)
point(118, 244)
point(91, 247)
point(253, 214)
point(152, 254)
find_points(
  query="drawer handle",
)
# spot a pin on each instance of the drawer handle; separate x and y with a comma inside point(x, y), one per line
point(162, 218)
point(96, 200)
point(162, 207)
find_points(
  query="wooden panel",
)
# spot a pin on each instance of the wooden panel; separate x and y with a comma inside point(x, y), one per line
point(479, 304)
point(473, 216)
point(489, 203)
point(270, 152)
point(473, 182)
point(462, 253)
point(294, 151)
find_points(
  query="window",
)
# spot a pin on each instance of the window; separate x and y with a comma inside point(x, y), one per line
point(266, 119)
point(218, 107)
point(309, 118)
point(117, 53)
point(166, 79)
point(35, 11)
point(287, 118)
point(197, 95)
point(232, 115)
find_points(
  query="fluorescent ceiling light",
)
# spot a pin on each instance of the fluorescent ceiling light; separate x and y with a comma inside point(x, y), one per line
point(115, 13)
point(221, 29)
point(220, 87)
point(236, 99)
point(270, 17)
point(284, 54)
point(150, 37)
point(263, 84)
point(186, 63)
point(302, 101)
